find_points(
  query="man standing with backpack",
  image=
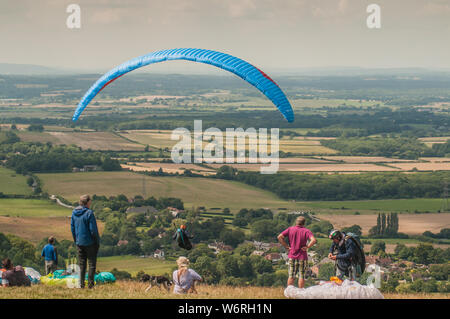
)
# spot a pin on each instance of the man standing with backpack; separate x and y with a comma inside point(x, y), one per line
point(347, 251)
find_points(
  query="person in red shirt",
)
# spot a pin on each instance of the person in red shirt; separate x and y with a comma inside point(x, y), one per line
point(298, 237)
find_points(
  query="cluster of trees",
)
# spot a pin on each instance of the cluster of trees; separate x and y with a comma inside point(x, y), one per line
point(423, 254)
point(408, 148)
point(443, 234)
point(238, 268)
point(8, 137)
point(387, 226)
point(434, 278)
point(20, 251)
point(120, 235)
point(36, 128)
point(441, 149)
point(342, 187)
point(121, 202)
point(265, 226)
point(25, 157)
point(246, 216)
point(214, 229)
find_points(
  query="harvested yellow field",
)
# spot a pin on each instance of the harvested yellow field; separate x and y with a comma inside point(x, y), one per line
point(158, 139)
point(42, 137)
point(167, 167)
point(436, 166)
point(96, 141)
point(162, 139)
point(306, 149)
point(299, 141)
point(136, 290)
point(314, 167)
point(303, 160)
point(152, 97)
point(18, 126)
point(408, 223)
point(435, 159)
point(364, 159)
point(440, 139)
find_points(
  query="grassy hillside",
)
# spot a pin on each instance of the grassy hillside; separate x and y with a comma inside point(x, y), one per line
point(135, 290)
point(31, 208)
point(420, 204)
point(213, 193)
point(12, 183)
point(34, 219)
point(193, 191)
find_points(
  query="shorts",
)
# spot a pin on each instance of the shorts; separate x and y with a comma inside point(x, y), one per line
point(297, 268)
point(50, 266)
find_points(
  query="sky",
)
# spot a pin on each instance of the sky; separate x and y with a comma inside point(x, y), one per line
point(272, 34)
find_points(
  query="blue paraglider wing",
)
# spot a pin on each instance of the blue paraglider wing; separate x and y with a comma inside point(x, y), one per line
point(241, 68)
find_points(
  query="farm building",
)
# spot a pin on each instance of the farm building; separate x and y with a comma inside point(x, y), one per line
point(384, 262)
point(273, 257)
point(159, 254)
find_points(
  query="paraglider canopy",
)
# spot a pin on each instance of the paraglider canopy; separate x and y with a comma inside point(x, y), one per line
point(241, 68)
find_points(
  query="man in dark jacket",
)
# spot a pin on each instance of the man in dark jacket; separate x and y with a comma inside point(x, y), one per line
point(182, 237)
point(50, 255)
point(343, 252)
point(86, 237)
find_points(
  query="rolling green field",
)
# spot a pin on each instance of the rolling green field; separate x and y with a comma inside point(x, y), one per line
point(31, 208)
point(401, 205)
point(134, 264)
point(213, 193)
point(12, 183)
point(193, 191)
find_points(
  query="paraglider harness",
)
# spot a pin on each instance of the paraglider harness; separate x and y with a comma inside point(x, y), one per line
point(183, 239)
point(358, 260)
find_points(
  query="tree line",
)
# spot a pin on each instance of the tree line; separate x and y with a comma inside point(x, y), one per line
point(408, 148)
point(26, 157)
point(342, 187)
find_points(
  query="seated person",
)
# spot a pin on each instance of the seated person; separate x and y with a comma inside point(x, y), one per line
point(184, 278)
point(14, 276)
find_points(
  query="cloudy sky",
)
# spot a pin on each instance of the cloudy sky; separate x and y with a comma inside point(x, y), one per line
point(273, 34)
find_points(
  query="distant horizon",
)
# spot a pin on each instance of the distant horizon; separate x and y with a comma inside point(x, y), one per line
point(35, 69)
point(273, 35)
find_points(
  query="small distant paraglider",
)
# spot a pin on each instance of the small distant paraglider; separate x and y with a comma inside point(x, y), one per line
point(241, 68)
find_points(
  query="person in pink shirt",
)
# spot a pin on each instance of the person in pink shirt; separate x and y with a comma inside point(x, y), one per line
point(298, 237)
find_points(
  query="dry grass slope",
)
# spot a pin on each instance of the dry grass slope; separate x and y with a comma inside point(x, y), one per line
point(135, 290)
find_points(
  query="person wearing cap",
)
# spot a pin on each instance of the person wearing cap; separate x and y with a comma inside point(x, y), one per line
point(184, 278)
point(298, 246)
point(50, 256)
point(342, 251)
